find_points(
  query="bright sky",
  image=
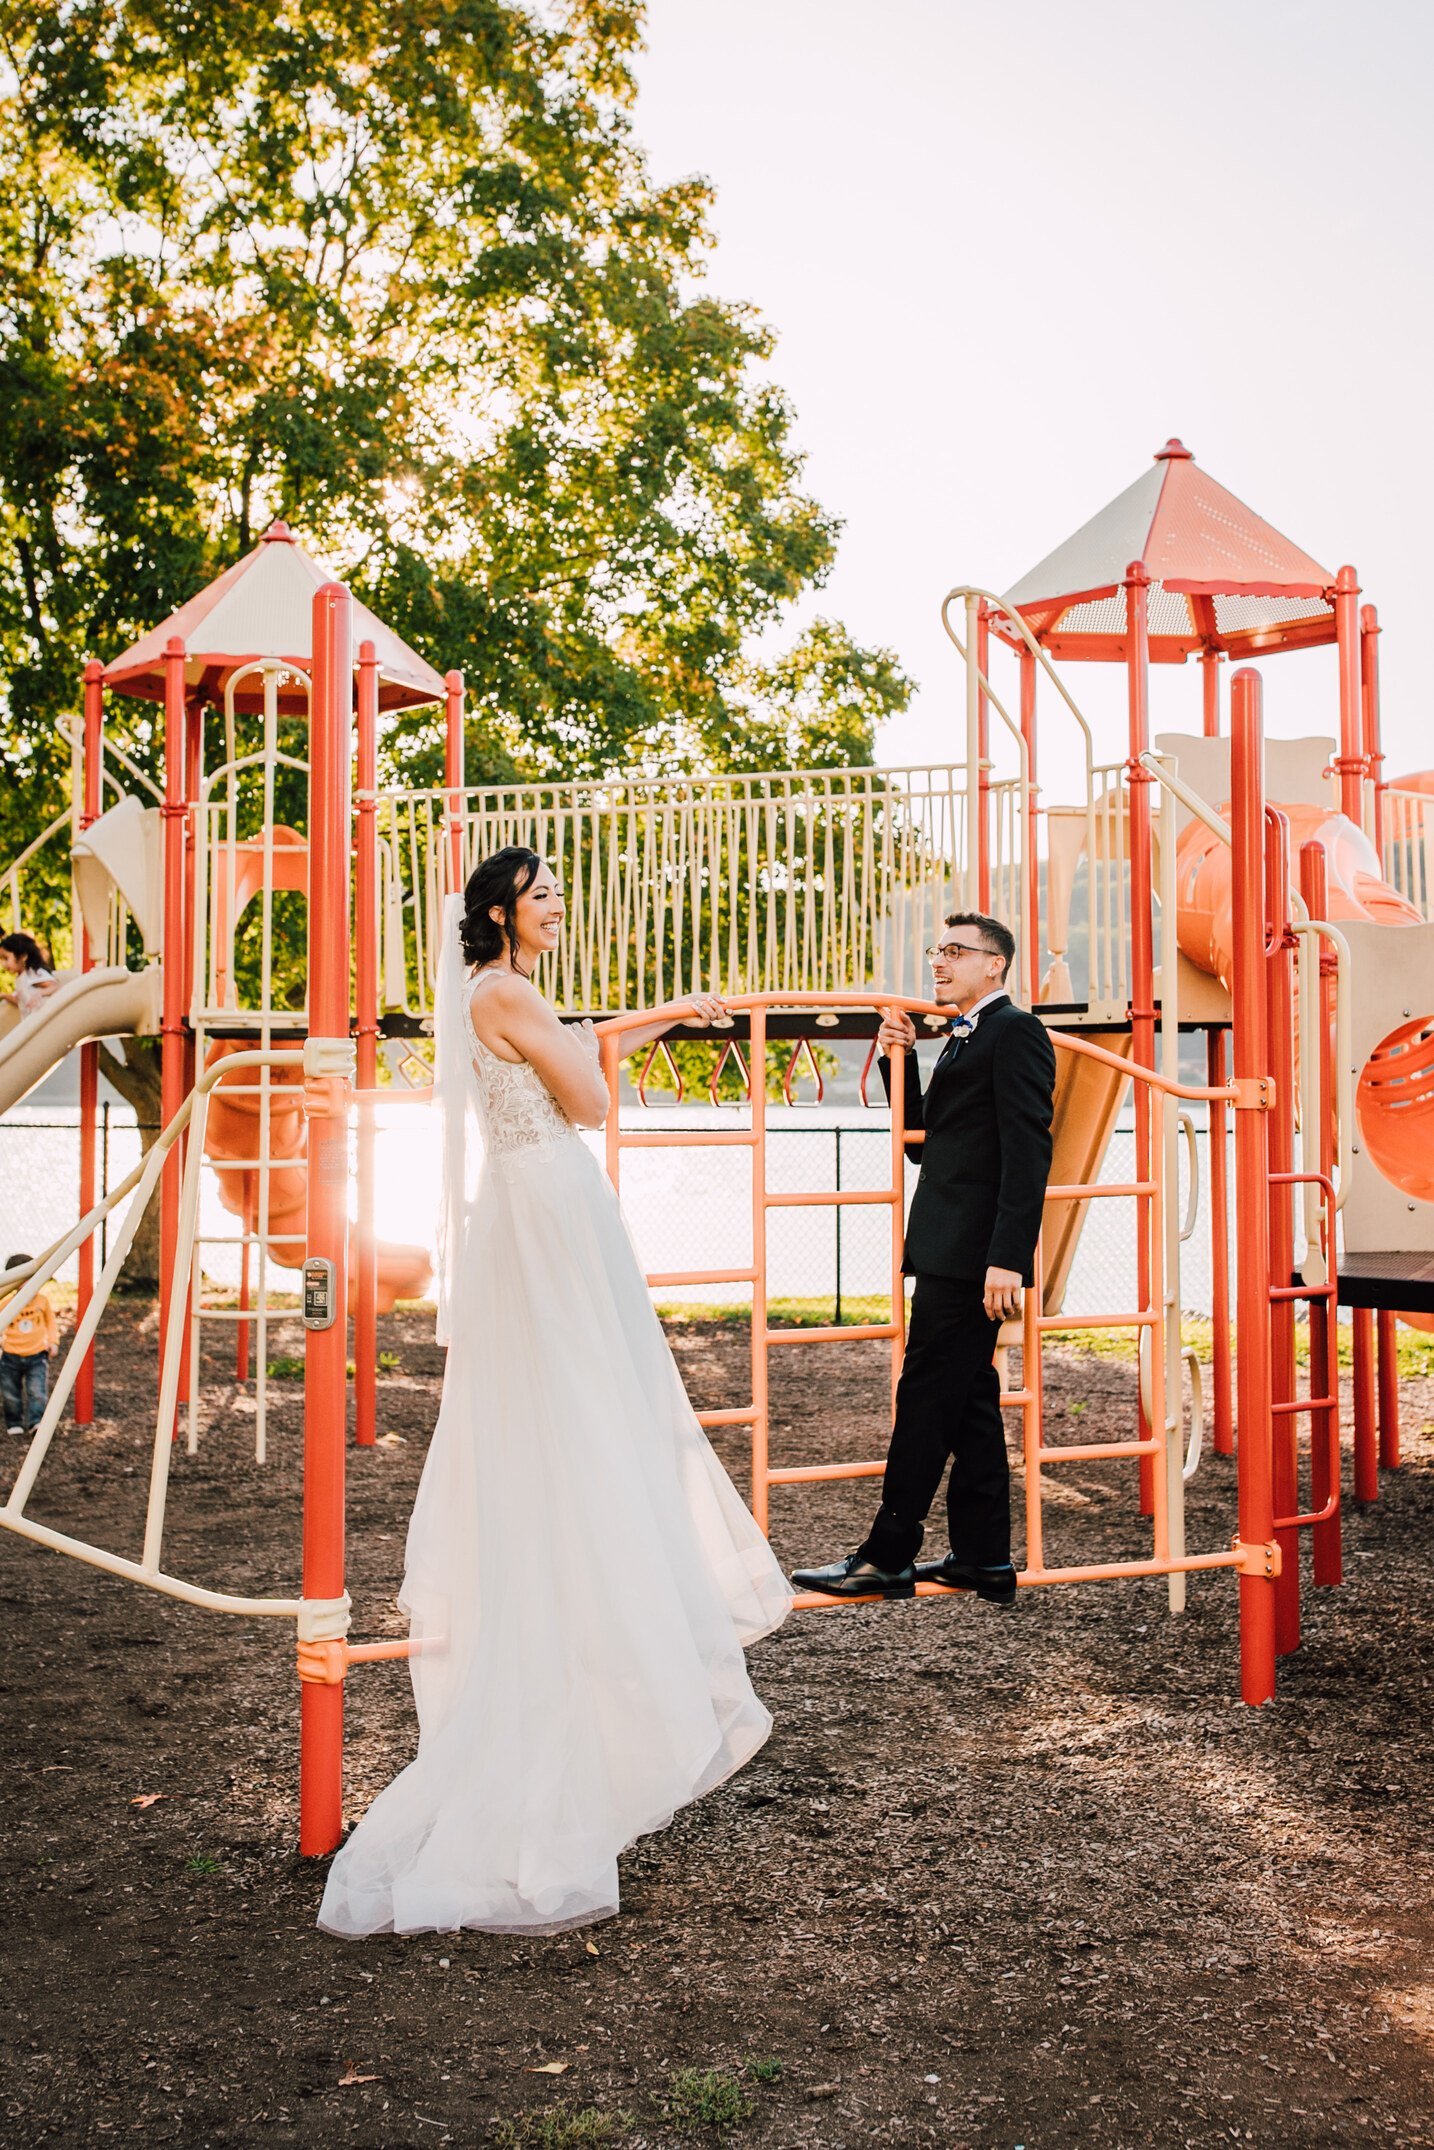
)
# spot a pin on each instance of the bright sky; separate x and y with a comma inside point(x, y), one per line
point(1008, 251)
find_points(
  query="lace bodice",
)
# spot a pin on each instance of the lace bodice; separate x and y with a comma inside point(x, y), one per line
point(521, 1117)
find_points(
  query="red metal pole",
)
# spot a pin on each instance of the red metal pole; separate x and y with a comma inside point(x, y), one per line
point(1224, 1425)
point(321, 1719)
point(1033, 864)
point(173, 815)
point(1324, 1314)
point(1369, 707)
point(91, 805)
point(1142, 944)
point(1350, 759)
point(1220, 1347)
point(366, 985)
point(983, 773)
point(1280, 1047)
point(1386, 1326)
point(1210, 689)
point(453, 772)
point(193, 759)
point(1252, 1169)
point(1366, 1453)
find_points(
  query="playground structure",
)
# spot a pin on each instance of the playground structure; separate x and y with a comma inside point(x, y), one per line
point(805, 898)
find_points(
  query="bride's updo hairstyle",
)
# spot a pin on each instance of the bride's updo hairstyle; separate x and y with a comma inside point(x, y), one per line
point(499, 880)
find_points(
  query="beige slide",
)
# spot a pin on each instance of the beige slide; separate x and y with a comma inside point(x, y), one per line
point(106, 1003)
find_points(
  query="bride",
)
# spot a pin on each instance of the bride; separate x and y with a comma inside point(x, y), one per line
point(581, 1574)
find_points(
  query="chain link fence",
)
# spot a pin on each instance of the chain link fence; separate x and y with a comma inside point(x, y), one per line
point(687, 1208)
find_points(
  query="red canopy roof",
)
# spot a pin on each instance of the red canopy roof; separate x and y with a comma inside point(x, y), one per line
point(263, 607)
point(1221, 577)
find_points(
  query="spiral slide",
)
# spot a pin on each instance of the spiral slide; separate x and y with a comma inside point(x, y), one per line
point(232, 1131)
point(1394, 1096)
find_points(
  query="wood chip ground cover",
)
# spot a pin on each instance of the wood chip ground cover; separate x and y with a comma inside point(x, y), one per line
point(1030, 1878)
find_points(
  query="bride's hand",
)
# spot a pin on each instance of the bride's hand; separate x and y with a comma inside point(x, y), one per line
point(708, 1012)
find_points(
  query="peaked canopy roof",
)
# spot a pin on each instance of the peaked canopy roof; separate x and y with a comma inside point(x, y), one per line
point(263, 607)
point(1221, 577)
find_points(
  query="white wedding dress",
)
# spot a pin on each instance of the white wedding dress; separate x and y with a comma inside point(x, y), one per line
point(581, 1573)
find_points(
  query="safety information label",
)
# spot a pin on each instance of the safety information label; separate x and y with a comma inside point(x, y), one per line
point(319, 1308)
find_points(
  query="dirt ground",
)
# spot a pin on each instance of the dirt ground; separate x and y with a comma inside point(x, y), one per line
point(999, 1878)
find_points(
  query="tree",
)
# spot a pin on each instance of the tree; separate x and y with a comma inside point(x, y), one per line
point(402, 277)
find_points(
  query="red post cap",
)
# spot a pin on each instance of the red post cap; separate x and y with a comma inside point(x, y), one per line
point(278, 534)
point(1174, 451)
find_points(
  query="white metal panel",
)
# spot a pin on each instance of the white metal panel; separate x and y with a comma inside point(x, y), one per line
point(1098, 554)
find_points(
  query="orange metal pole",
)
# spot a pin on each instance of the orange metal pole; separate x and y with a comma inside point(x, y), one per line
point(1324, 1312)
point(321, 1719)
point(983, 773)
point(366, 996)
point(1280, 1046)
point(1142, 939)
point(173, 816)
point(1210, 691)
point(1220, 1340)
point(90, 808)
point(898, 1216)
point(1366, 1453)
point(1350, 759)
point(453, 772)
point(193, 761)
point(1369, 709)
point(1388, 1334)
point(1256, 1490)
point(761, 1423)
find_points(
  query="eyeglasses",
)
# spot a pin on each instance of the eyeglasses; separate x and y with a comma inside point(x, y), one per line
point(950, 949)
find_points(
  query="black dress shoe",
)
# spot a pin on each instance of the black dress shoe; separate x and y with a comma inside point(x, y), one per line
point(996, 1585)
point(857, 1577)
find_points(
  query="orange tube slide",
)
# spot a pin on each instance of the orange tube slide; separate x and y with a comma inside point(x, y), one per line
point(232, 1131)
point(1403, 1148)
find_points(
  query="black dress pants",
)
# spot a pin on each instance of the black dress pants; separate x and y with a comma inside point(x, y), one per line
point(947, 1406)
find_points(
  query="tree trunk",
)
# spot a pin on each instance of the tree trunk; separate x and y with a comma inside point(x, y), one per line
point(136, 1077)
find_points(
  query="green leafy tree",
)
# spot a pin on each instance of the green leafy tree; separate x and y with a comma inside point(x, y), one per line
point(402, 277)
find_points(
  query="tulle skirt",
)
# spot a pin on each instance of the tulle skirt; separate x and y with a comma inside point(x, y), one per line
point(581, 1578)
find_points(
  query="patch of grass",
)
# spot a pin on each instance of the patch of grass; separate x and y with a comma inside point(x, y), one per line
point(762, 2071)
point(285, 1368)
point(1415, 1348)
point(706, 2098)
point(201, 1863)
point(783, 1313)
point(562, 2127)
point(388, 1362)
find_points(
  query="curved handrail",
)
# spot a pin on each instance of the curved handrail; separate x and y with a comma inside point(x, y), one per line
point(143, 1180)
point(1196, 1444)
point(37, 844)
point(1186, 1124)
point(1230, 1093)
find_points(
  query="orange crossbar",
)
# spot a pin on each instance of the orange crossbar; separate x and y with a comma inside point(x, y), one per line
point(828, 1198)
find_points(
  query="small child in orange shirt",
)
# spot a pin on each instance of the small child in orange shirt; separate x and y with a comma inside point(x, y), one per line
point(25, 1359)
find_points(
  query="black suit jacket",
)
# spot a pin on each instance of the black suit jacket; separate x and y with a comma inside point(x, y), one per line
point(987, 1153)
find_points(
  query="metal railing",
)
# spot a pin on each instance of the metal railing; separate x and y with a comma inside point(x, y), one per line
point(798, 881)
point(1408, 860)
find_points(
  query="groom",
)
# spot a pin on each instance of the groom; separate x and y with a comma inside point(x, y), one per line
point(970, 1241)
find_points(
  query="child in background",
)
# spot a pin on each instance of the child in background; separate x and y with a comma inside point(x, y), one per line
point(25, 1359)
point(26, 961)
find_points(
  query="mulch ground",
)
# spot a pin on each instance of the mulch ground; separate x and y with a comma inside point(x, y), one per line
point(999, 1878)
